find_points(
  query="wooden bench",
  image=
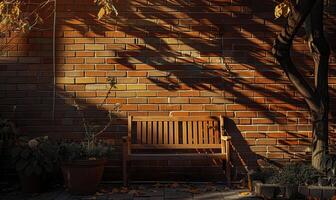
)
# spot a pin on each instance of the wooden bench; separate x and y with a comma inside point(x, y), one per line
point(148, 136)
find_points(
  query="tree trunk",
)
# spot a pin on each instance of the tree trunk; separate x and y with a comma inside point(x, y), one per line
point(310, 12)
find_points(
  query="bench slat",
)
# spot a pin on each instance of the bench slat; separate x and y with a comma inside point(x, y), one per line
point(176, 132)
point(206, 132)
point(143, 132)
point(165, 132)
point(200, 132)
point(184, 130)
point(190, 137)
point(211, 132)
point(138, 136)
point(216, 132)
point(175, 146)
point(171, 132)
point(160, 141)
point(155, 133)
point(149, 133)
point(195, 135)
point(175, 156)
point(173, 118)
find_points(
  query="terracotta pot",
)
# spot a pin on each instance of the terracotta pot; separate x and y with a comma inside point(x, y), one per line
point(83, 176)
point(32, 183)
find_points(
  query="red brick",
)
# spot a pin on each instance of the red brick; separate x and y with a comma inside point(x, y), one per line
point(148, 107)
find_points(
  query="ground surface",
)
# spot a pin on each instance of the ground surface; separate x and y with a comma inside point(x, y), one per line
point(141, 192)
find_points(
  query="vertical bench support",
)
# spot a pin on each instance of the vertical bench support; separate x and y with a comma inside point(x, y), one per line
point(126, 150)
point(225, 149)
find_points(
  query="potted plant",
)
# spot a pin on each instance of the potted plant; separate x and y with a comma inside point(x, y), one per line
point(83, 162)
point(33, 160)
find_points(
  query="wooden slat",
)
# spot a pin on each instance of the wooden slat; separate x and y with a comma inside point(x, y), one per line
point(138, 137)
point(144, 133)
point(184, 133)
point(190, 136)
point(200, 132)
point(173, 118)
point(165, 132)
point(211, 132)
point(221, 125)
point(171, 132)
point(176, 132)
point(195, 130)
point(206, 132)
point(216, 132)
point(160, 138)
point(195, 135)
point(175, 146)
point(155, 133)
point(149, 133)
point(129, 126)
point(175, 156)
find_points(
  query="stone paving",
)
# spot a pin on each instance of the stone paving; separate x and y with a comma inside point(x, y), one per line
point(142, 192)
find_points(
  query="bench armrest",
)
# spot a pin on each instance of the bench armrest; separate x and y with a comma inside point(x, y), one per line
point(225, 137)
point(126, 139)
point(126, 145)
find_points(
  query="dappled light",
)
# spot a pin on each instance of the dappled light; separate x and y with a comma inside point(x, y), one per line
point(169, 58)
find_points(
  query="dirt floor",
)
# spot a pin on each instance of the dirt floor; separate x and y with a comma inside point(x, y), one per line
point(139, 192)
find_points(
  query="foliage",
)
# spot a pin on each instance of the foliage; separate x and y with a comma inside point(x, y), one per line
point(13, 17)
point(106, 8)
point(35, 156)
point(295, 174)
point(263, 174)
point(8, 134)
point(79, 151)
point(7, 130)
point(90, 147)
point(282, 9)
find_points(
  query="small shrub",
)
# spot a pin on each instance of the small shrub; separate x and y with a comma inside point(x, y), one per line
point(35, 156)
point(295, 174)
point(263, 174)
point(80, 151)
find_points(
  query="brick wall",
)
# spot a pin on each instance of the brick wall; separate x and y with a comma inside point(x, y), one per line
point(169, 57)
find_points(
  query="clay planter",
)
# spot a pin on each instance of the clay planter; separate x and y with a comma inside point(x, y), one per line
point(83, 176)
point(32, 183)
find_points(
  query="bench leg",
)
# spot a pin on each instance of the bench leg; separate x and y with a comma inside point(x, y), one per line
point(125, 175)
point(228, 173)
point(125, 162)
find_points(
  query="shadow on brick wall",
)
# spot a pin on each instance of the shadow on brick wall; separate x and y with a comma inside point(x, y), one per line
point(216, 47)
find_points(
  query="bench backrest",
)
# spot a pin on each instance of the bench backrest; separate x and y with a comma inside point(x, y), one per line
point(161, 132)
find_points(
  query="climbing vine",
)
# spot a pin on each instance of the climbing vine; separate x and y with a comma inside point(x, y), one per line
point(21, 16)
point(282, 9)
point(14, 18)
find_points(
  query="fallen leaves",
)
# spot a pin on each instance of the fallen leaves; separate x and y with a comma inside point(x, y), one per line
point(158, 188)
point(282, 9)
point(244, 194)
